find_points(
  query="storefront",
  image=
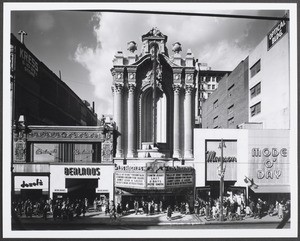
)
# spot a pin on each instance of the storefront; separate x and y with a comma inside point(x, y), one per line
point(256, 163)
point(154, 182)
point(269, 169)
point(35, 187)
point(82, 181)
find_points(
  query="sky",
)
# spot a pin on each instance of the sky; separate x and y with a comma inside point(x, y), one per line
point(82, 44)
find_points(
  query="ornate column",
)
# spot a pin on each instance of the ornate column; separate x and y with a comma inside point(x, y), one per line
point(176, 130)
point(118, 97)
point(188, 127)
point(131, 120)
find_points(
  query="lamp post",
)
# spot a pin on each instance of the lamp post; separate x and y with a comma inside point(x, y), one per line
point(222, 172)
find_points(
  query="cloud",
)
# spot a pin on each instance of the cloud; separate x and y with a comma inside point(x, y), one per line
point(222, 43)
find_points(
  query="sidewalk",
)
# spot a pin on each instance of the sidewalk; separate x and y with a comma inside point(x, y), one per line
point(143, 219)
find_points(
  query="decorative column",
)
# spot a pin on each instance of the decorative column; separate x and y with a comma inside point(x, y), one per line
point(118, 97)
point(176, 131)
point(131, 120)
point(188, 127)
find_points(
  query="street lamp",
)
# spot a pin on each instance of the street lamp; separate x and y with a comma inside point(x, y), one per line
point(222, 172)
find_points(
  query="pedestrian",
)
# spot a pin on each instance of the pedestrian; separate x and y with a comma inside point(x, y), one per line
point(207, 211)
point(127, 207)
point(187, 208)
point(169, 213)
point(197, 207)
point(112, 211)
point(136, 207)
point(46, 208)
point(119, 210)
point(280, 210)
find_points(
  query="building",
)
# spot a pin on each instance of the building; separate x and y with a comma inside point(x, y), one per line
point(61, 162)
point(257, 91)
point(207, 81)
point(251, 109)
point(154, 115)
point(256, 163)
point(227, 106)
point(269, 80)
point(41, 96)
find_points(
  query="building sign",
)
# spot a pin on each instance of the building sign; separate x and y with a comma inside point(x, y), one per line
point(213, 160)
point(82, 171)
point(179, 179)
point(31, 182)
point(270, 161)
point(28, 62)
point(63, 152)
point(130, 179)
point(277, 33)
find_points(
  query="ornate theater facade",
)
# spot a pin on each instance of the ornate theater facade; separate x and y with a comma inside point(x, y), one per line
point(154, 113)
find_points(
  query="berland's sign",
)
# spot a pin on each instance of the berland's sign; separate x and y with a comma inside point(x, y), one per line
point(277, 33)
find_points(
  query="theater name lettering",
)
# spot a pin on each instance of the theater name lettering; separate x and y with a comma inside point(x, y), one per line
point(269, 157)
point(30, 64)
point(40, 151)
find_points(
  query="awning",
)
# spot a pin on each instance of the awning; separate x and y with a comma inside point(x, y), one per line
point(271, 189)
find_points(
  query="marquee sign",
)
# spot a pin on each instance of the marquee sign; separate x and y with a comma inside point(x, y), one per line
point(154, 176)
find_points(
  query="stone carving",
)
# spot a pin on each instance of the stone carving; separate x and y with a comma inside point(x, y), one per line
point(189, 89)
point(118, 87)
point(176, 88)
point(131, 46)
point(131, 88)
point(177, 47)
point(64, 135)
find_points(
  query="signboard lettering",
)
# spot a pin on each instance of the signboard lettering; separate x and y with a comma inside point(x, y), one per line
point(277, 33)
point(124, 179)
point(31, 182)
point(182, 179)
point(155, 180)
point(269, 158)
point(82, 171)
point(29, 63)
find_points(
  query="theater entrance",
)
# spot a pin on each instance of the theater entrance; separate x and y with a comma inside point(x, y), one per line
point(81, 189)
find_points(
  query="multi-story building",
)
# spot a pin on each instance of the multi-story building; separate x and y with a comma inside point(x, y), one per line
point(41, 96)
point(207, 81)
point(257, 91)
point(227, 106)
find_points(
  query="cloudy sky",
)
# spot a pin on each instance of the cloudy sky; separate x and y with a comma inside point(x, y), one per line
point(82, 44)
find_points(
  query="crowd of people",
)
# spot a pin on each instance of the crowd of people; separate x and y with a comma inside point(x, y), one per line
point(235, 208)
point(59, 208)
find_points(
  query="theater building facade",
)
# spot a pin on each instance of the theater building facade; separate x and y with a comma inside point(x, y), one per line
point(63, 162)
point(154, 114)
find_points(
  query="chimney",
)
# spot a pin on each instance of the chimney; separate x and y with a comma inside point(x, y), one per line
point(22, 33)
point(93, 106)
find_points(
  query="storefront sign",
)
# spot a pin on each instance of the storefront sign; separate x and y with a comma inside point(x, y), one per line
point(82, 171)
point(156, 180)
point(29, 64)
point(277, 33)
point(130, 179)
point(61, 190)
point(270, 158)
point(213, 160)
point(179, 179)
point(31, 182)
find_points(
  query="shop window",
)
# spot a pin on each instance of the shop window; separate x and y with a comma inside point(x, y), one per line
point(255, 69)
point(66, 152)
point(254, 91)
point(255, 109)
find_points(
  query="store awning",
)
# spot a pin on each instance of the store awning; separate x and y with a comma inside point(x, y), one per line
point(271, 189)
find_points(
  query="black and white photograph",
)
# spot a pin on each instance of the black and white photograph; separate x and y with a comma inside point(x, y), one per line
point(149, 120)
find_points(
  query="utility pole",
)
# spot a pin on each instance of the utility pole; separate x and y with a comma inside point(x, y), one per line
point(221, 146)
